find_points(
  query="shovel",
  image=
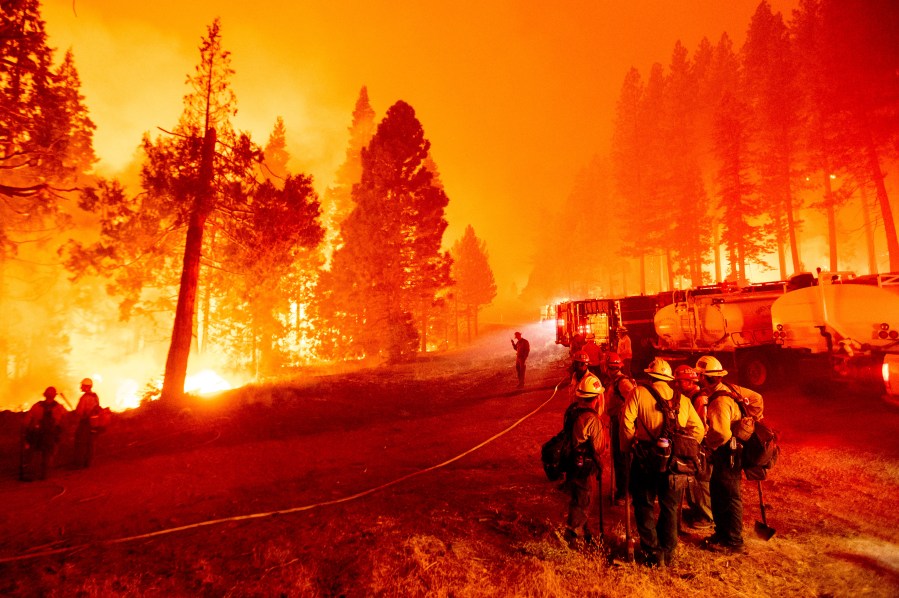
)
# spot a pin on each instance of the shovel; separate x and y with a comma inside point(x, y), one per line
point(627, 510)
point(602, 526)
point(762, 529)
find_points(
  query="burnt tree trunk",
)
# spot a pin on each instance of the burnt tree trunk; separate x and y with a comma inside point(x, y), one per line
point(182, 332)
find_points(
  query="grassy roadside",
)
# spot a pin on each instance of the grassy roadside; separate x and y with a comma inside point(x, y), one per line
point(484, 525)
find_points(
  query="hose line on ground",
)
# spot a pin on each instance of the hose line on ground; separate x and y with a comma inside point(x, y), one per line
point(172, 530)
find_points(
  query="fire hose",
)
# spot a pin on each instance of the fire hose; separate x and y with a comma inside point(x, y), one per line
point(211, 522)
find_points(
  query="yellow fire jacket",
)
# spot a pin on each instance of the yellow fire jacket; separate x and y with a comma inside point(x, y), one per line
point(723, 412)
point(642, 421)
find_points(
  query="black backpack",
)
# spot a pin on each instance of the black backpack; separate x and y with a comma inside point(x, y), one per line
point(557, 453)
point(759, 453)
point(687, 456)
point(47, 433)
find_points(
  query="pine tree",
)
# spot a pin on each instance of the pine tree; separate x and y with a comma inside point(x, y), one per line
point(197, 176)
point(46, 151)
point(475, 286)
point(275, 155)
point(688, 237)
point(277, 236)
point(389, 267)
point(860, 58)
point(628, 141)
point(772, 95)
point(338, 199)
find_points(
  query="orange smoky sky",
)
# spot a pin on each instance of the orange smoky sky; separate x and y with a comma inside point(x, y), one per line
point(515, 96)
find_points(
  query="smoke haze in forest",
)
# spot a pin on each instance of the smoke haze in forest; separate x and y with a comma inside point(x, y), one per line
point(515, 97)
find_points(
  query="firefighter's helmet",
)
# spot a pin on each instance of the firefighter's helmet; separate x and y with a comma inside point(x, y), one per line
point(710, 366)
point(685, 372)
point(581, 357)
point(613, 360)
point(659, 368)
point(87, 382)
point(589, 387)
point(50, 392)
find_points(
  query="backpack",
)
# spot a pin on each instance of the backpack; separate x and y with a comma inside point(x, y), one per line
point(557, 453)
point(686, 456)
point(46, 434)
point(759, 452)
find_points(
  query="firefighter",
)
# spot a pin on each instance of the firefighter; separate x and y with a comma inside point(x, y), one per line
point(722, 413)
point(522, 349)
point(88, 408)
point(686, 381)
point(642, 426)
point(619, 388)
point(41, 434)
point(582, 421)
point(624, 350)
point(595, 355)
point(580, 367)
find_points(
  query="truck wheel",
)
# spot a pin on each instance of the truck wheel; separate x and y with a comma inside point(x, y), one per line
point(755, 371)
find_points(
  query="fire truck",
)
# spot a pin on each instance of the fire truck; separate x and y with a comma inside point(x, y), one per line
point(603, 319)
point(730, 322)
point(833, 328)
point(843, 329)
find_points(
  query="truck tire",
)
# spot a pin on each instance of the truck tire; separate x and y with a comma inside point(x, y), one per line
point(755, 371)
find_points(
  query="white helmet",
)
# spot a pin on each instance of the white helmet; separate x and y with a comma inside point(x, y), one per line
point(589, 387)
point(710, 366)
point(659, 368)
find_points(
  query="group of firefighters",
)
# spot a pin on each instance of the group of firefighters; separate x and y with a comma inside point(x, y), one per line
point(43, 427)
point(697, 402)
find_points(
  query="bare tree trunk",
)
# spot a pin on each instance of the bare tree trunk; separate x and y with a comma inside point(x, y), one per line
point(668, 267)
point(182, 331)
point(456, 319)
point(781, 241)
point(424, 326)
point(869, 230)
point(831, 221)
point(889, 225)
point(791, 230)
point(717, 246)
point(642, 273)
point(4, 327)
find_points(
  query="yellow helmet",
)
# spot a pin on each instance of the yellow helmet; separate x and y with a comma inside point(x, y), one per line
point(710, 366)
point(659, 368)
point(589, 387)
point(87, 382)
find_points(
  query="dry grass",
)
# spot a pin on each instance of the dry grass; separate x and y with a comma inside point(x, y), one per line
point(483, 526)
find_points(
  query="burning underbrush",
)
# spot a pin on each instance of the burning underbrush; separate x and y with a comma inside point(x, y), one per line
point(423, 480)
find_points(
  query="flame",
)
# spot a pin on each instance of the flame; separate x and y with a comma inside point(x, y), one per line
point(128, 394)
point(206, 382)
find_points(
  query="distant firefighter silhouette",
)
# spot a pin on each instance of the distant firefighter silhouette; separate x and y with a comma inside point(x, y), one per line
point(87, 413)
point(522, 349)
point(40, 437)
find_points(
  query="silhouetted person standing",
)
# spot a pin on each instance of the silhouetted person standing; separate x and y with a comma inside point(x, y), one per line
point(625, 351)
point(42, 431)
point(88, 407)
point(522, 349)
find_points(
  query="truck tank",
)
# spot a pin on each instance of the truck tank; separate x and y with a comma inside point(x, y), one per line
point(716, 322)
point(848, 312)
